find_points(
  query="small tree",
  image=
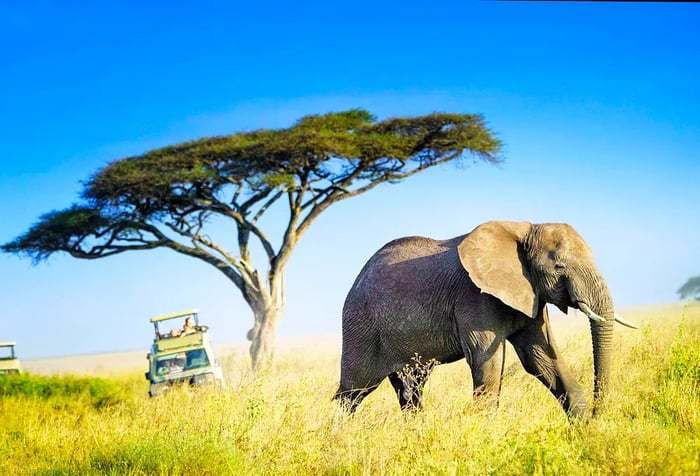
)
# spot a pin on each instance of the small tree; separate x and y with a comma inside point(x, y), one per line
point(691, 288)
point(167, 197)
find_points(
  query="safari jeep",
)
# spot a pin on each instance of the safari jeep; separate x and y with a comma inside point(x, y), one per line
point(178, 357)
point(9, 363)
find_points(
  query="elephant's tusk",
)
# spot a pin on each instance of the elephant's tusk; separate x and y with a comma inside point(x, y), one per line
point(624, 322)
point(587, 311)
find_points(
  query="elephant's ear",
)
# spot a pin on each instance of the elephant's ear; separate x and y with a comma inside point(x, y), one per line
point(493, 256)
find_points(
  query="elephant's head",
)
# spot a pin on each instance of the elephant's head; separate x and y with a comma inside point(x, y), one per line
point(526, 265)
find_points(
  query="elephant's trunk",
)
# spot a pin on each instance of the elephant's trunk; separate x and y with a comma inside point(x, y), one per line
point(600, 310)
point(601, 336)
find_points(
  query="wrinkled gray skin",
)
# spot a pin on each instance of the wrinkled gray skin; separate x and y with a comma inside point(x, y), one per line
point(463, 298)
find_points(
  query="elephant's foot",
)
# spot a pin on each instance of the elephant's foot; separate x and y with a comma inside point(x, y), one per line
point(574, 404)
point(350, 399)
point(485, 399)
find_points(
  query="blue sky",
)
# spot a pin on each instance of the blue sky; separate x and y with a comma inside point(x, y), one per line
point(597, 104)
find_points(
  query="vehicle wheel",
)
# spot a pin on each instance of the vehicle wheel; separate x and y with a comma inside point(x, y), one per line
point(156, 389)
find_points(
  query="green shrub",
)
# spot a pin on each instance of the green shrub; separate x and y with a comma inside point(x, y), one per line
point(685, 356)
point(677, 399)
point(97, 392)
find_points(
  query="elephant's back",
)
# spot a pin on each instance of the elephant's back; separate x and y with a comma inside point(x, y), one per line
point(403, 270)
point(411, 248)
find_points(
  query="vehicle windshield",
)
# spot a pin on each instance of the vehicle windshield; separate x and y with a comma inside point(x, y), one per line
point(181, 361)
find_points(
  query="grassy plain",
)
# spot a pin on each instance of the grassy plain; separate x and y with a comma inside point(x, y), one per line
point(284, 422)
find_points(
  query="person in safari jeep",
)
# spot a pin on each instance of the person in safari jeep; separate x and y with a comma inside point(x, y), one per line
point(188, 328)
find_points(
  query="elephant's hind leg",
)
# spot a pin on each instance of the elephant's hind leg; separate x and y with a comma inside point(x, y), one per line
point(361, 371)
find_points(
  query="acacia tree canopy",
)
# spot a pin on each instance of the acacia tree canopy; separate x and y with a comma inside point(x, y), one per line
point(166, 197)
point(691, 288)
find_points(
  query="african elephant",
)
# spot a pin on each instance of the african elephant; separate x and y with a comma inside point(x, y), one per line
point(444, 300)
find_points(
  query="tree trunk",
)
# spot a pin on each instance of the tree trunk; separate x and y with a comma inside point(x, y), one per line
point(263, 337)
point(267, 303)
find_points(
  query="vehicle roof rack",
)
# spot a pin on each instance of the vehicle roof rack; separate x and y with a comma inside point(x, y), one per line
point(173, 315)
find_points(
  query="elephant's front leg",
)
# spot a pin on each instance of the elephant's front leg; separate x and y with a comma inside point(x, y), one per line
point(486, 358)
point(539, 355)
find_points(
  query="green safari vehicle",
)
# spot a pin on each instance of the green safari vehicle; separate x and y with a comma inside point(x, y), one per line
point(9, 363)
point(182, 355)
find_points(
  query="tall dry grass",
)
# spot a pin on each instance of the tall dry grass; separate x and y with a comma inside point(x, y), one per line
point(284, 422)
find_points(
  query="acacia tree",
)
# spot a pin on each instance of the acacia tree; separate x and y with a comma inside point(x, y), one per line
point(167, 197)
point(691, 288)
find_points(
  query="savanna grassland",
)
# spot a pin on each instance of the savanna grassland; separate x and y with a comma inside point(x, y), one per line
point(284, 422)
